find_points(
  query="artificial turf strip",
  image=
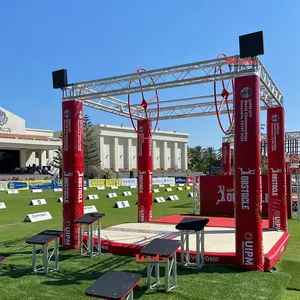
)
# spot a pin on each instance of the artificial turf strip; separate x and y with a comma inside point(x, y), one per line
point(77, 273)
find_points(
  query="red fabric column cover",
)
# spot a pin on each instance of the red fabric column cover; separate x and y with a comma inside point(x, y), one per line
point(276, 168)
point(144, 171)
point(226, 159)
point(73, 170)
point(288, 197)
point(247, 166)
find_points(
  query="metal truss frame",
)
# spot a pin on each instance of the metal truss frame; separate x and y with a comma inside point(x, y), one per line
point(101, 93)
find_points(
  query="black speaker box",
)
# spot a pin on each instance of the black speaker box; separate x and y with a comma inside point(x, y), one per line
point(251, 44)
point(59, 79)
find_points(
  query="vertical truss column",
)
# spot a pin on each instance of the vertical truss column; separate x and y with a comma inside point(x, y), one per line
point(276, 168)
point(196, 195)
point(144, 171)
point(247, 174)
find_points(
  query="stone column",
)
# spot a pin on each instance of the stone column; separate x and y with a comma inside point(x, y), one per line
point(116, 154)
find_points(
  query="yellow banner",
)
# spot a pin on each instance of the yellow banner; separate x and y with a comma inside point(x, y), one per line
point(113, 182)
point(96, 182)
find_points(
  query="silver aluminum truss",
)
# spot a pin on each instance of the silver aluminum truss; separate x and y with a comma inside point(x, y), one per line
point(101, 94)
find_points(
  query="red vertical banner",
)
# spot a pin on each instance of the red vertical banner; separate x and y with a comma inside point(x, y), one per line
point(288, 168)
point(247, 170)
point(289, 196)
point(73, 170)
point(144, 171)
point(226, 159)
point(276, 168)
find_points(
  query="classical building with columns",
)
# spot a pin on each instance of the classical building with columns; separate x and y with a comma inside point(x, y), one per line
point(21, 146)
point(117, 146)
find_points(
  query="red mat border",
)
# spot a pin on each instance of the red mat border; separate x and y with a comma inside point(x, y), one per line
point(222, 258)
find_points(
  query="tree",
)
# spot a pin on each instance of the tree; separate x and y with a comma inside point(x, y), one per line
point(91, 157)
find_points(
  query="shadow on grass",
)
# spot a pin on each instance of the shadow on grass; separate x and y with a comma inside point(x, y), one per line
point(292, 268)
point(91, 272)
point(14, 271)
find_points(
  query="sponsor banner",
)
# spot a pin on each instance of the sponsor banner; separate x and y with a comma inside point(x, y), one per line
point(90, 209)
point(2, 205)
point(276, 168)
point(247, 166)
point(144, 171)
point(96, 182)
point(129, 181)
point(226, 159)
point(180, 180)
point(189, 179)
point(73, 170)
point(44, 186)
point(163, 180)
point(122, 204)
point(38, 202)
point(17, 185)
point(42, 216)
point(2, 185)
point(113, 182)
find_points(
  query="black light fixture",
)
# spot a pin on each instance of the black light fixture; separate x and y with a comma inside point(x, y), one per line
point(59, 79)
point(251, 44)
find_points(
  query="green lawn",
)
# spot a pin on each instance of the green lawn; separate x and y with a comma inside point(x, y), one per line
point(77, 273)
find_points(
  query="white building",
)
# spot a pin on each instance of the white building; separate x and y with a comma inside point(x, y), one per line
point(21, 146)
point(117, 148)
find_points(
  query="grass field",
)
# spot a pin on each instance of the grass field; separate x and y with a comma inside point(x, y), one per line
point(77, 273)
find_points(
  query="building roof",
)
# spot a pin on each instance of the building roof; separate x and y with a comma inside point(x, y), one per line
point(27, 137)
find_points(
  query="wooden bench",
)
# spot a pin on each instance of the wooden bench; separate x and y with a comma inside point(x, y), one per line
point(114, 285)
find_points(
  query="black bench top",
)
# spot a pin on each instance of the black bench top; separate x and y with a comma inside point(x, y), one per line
point(44, 237)
point(2, 259)
point(162, 247)
point(113, 285)
point(89, 218)
point(195, 224)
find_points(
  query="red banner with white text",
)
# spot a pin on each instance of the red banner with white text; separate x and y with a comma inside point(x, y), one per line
point(144, 171)
point(73, 170)
point(247, 168)
point(276, 168)
point(217, 196)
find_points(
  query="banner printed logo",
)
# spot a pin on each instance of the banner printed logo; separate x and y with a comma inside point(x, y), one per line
point(67, 114)
point(227, 195)
point(246, 92)
point(275, 118)
point(80, 115)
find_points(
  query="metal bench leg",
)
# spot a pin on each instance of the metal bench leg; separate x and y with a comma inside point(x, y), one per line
point(45, 258)
point(80, 238)
point(174, 271)
point(157, 279)
point(167, 275)
point(99, 236)
point(130, 296)
point(149, 271)
point(91, 241)
point(202, 247)
point(57, 254)
point(34, 258)
point(197, 249)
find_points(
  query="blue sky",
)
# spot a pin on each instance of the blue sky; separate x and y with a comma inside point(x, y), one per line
point(97, 39)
